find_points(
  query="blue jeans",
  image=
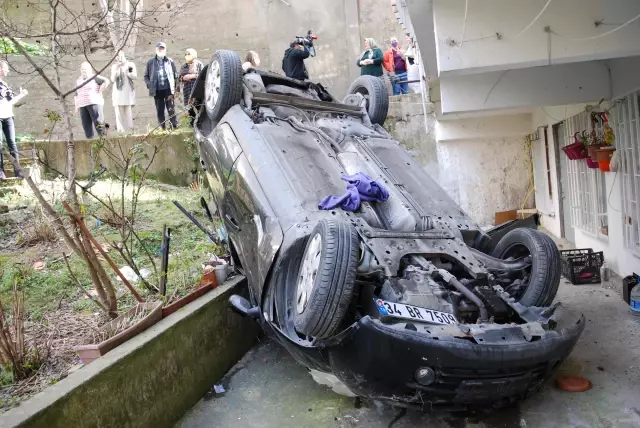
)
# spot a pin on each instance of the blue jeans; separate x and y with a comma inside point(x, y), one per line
point(9, 134)
point(90, 117)
point(402, 88)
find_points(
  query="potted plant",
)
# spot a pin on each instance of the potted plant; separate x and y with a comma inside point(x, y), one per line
point(603, 157)
point(119, 330)
point(577, 149)
point(207, 283)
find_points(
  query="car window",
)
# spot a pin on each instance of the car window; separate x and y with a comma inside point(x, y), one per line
point(230, 145)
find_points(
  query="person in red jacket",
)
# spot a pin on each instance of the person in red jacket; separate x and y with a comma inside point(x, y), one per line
point(396, 66)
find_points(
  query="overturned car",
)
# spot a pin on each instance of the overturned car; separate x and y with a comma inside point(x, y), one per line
point(404, 300)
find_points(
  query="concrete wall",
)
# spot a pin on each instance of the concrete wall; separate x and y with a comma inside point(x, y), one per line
point(484, 173)
point(567, 19)
point(154, 378)
point(267, 26)
point(173, 163)
point(618, 258)
point(624, 76)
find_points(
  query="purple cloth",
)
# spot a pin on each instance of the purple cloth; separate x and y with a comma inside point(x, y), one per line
point(360, 187)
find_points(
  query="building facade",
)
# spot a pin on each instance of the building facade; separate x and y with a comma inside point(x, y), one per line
point(542, 71)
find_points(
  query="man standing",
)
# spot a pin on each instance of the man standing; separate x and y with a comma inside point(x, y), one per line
point(293, 61)
point(161, 78)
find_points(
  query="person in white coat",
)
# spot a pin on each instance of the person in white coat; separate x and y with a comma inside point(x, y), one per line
point(123, 74)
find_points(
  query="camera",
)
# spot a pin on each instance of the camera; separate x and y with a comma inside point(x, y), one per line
point(307, 41)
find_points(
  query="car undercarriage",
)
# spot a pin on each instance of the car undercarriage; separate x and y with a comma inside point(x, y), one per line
point(404, 300)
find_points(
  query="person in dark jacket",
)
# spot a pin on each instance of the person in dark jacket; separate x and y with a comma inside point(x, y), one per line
point(370, 61)
point(161, 78)
point(293, 61)
point(189, 73)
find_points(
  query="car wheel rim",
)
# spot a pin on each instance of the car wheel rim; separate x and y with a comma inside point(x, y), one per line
point(212, 91)
point(365, 94)
point(514, 252)
point(308, 273)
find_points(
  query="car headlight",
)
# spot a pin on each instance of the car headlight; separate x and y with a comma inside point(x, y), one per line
point(425, 376)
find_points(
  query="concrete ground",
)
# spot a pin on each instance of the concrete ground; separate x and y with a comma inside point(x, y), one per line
point(269, 389)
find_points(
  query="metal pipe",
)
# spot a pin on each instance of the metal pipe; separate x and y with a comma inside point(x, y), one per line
point(453, 281)
point(211, 236)
point(494, 263)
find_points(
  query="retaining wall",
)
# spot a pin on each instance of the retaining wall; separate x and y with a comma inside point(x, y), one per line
point(154, 378)
point(173, 163)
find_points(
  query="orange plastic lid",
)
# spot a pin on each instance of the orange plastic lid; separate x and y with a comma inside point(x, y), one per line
point(573, 383)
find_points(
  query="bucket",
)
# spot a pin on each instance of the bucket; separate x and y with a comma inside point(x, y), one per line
point(604, 165)
point(222, 271)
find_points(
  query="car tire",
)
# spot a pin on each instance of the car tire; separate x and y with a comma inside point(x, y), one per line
point(223, 84)
point(544, 275)
point(326, 278)
point(375, 91)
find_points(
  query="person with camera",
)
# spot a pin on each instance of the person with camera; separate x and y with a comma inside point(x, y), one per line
point(293, 61)
point(7, 129)
point(123, 73)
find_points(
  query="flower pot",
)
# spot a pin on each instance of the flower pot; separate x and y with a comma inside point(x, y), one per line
point(604, 153)
point(575, 151)
point(591, 163)
point(604, 165)
point(592, 152)
point(88, 353)
point(184, 301)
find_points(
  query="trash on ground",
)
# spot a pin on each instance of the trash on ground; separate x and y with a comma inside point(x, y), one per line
point(131, 276)
point(573, 383)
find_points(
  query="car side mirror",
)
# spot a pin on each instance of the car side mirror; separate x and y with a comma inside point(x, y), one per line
point(243, 307)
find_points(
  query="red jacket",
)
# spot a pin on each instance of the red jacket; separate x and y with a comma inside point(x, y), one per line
point(388, 62)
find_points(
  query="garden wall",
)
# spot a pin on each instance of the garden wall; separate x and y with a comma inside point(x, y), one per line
point(172, 165)
point(154, 378)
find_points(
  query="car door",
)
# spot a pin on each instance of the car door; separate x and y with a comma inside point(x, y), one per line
point(218, 153)
point(252, 226)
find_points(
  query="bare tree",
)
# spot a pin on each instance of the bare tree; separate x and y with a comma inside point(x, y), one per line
point(72, 33)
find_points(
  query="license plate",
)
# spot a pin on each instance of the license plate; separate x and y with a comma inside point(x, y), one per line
point(398, 310)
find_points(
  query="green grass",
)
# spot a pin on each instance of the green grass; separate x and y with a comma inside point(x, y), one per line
point(189, 249)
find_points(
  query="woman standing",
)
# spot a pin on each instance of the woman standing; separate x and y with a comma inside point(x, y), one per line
point(370, 61)
point(87, 99)
point(252, 60)
point(123, 73)
point(396, 66)
point(7, 100)
point(189, 73)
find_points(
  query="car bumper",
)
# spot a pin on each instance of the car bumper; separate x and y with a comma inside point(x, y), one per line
point(380, 362)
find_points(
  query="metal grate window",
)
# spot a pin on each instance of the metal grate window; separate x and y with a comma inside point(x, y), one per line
point(626, 123)
point(587, 185)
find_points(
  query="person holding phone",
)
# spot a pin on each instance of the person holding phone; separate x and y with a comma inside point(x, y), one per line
point(7, 100)
point(88, 97)
point(123, 73)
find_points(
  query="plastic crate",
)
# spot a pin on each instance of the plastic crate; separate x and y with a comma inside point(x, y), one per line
point(582, 266)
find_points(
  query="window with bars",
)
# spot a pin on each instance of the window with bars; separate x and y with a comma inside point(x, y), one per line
point(588, 194)
point(626, 125)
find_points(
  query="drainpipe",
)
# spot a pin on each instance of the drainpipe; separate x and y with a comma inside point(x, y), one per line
point(424, 89)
